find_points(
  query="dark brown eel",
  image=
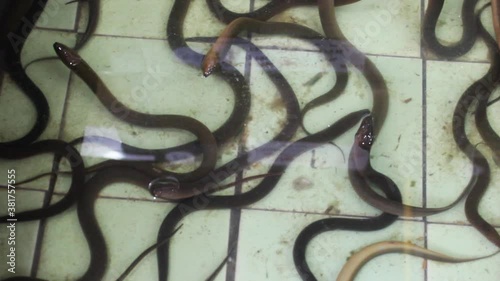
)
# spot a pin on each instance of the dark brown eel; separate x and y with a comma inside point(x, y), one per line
point(360, 156)
point(265, 12)
point(469, 34)
point(92, 22)
point(384, 183)
point(179, 45)
point(59, 148)
point(490, 137)
point(86, 214)
point(242, 105)
point(14, 32)
point(99, 258)
point(490, 81)
point(209, 146)
point(359, 60)
point(210, 202)
point(149, 172)
point(330, 48)
point(180, 190)
point(478, 91)
point(234, 123)
point(495, 12)
point(180, 186)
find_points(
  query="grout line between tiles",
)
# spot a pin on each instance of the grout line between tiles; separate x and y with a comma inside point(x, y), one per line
point(234, 228)
point(37, 251)
point(318, 51)
point(53, 29)
point(235, 219)
point(233, 238)
point(424, 130)
point(453, 224)
point(406, 219)
point(24, 188)
point(206, 40)
point(322, 214)
point(209, 39)
point(424, 134)
point(43, 222)
point(260, 209)
point(38, 247)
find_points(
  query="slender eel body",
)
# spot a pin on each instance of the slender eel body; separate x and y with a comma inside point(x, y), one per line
point(360, 156)
point(93, 19)
point(495, 7)
point(265, 12)
point(330, 48)
point(481, 173)
point(469, 34)
point(360, 258)
point(184, 189)
point(206, 184)
point(209, 146)
point(385, 184)
point(359, 161)
point(373, 76)
point(60, 149)
point(489, 82)
point(99, 258)
point(204, 202)
point(14, 34)
point(236, 165)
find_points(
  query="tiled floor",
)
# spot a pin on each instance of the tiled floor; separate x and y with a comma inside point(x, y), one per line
point(415, 148)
